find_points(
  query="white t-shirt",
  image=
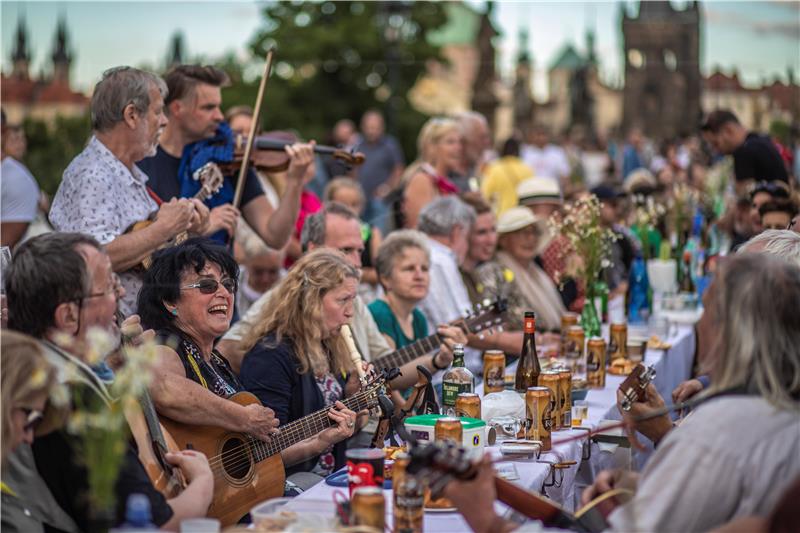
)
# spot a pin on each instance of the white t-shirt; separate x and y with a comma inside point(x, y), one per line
point(550, 161)
point(20, 193)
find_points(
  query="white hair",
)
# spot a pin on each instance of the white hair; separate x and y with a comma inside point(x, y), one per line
point(782, 243)
point(441, 215)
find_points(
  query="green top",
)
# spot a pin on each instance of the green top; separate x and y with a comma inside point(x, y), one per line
point(388, 324)
point(430, 420)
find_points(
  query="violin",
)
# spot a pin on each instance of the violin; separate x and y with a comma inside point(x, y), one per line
point(269, 155)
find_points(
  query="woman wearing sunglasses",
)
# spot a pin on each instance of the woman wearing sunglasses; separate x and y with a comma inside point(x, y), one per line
point(187, 296)
point(26, 381)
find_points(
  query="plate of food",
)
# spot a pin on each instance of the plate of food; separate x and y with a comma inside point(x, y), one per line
point(621, 367)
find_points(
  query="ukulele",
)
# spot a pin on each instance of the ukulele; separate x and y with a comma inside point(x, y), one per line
point(482, 319)
point(248, 470)
point(441, 462)
point(211, 180)
point(634, 387)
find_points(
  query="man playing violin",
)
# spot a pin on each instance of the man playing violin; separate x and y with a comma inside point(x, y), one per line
point(103, 193)
point(193, 107)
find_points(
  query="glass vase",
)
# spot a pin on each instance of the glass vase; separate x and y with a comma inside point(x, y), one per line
point(590, 321)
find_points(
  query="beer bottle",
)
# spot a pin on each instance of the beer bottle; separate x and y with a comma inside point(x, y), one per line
point(456, 380)
point(687, 284)
point(528, 367)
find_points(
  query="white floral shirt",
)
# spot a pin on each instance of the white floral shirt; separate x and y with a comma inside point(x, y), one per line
point(100, 197)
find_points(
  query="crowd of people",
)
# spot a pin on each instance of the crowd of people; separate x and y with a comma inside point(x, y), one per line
point(253, 297)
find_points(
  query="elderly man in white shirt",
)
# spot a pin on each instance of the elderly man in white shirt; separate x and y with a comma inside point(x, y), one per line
point(446, 222)
point(103, 193)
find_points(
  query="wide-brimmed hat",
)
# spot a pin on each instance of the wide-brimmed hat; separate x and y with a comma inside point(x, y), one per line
point(519, 217)
point(539, 190)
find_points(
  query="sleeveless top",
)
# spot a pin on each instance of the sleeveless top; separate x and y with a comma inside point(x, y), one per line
point(215, 374)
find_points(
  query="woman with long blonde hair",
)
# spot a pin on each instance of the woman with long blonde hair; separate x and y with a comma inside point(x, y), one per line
point(26, 381)
point(439, 147)
point(298, 362)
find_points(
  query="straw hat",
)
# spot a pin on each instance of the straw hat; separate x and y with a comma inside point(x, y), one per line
point(518, 218)
point(539, 190)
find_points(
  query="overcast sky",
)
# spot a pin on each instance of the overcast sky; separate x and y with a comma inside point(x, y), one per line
point(760, 39)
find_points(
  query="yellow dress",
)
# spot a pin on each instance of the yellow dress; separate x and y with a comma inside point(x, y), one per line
point(500, 180)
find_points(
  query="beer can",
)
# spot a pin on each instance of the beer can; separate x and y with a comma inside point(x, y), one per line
point(596, 363)
point(368, 508)
point(565, 382)
point(468, 404)
point(567, 320)
point(449, 428)
point(618, 342)
point(574, 343)
point(409, 497)
point(551, 379)
point(494, 370)
point(538, 410)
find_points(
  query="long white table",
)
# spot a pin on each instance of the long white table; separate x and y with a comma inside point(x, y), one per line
point(672, 367)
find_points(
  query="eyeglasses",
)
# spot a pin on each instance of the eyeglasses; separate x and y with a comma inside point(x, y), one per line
point(210, 286)
point(33, 418)
point(113, 288)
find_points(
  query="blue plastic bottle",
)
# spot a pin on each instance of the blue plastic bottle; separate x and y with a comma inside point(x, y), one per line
point(638, 307)
point(137, 514)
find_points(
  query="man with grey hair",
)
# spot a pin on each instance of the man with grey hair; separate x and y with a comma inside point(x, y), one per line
point(477, 140)
point(103, 193)
point(446, 222)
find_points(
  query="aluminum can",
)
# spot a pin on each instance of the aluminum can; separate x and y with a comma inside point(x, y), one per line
point(565, 384)
point(538, 410)
point(409, 498)
point(573, 348)
point(618, 342)
point(551, 379)
point(368, 508)
point(449, 428)
point(494, 371)
point(567, 320)
point(468, 404)
point(596, 363)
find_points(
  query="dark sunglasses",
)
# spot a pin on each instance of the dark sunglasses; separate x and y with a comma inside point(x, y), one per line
point(210, 286)
point(33, 418)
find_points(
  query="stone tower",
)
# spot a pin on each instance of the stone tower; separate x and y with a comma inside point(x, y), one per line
point(662, 69)
point(20, 55)
point(484, 100)
point(523, 99)
point(62, 57)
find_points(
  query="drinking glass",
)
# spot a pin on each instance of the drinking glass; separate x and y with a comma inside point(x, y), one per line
point(580, 412)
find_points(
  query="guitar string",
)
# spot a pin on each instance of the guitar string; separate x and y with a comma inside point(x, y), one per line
point(295, 429)
point(244, 458)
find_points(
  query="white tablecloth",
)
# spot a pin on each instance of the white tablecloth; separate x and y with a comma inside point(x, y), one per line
point(672, 367)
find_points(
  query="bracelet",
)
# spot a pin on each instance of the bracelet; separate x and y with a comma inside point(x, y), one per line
point(433, 362)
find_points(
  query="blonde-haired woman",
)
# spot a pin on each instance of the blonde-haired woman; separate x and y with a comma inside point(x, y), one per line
point(440, 146)
point(26, 381)
point(299, 362)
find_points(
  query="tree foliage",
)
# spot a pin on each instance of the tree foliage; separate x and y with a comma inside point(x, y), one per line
point(50, 149)
point(336, 60)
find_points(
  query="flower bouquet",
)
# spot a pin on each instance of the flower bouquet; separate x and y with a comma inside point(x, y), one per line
point(580, 224)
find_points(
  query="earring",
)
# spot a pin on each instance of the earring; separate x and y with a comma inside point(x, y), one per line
point(174, 312)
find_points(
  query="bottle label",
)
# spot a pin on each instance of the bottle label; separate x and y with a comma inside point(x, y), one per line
point(450, 392)
point(409, 501)
point(547, 417)
point(530, 325)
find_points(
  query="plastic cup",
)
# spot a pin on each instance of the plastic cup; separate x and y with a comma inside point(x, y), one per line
point(200, 525)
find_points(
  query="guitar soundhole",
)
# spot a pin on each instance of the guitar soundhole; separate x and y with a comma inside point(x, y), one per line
point(235, 458)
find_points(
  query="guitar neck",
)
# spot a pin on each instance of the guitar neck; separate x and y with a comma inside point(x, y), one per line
point(408, 353)
point(308, 426)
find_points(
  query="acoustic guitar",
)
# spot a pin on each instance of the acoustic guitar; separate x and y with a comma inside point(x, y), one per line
point(153, 442)
point(248, 470)
point(482, 319)
point(441, 462)
point(211, 180)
